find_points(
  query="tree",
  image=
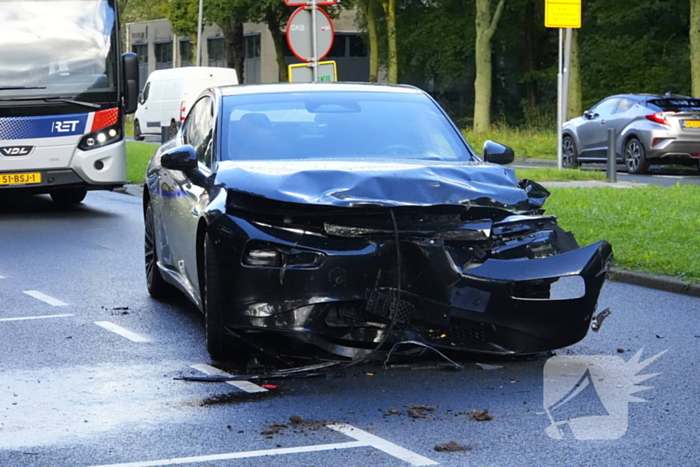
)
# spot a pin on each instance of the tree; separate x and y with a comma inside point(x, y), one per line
point(486, 24)
point(368, 9)
point(695, 46)
point(575, 105)
point(389, 7)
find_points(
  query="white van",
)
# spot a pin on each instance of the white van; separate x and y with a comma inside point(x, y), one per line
point(169, 94)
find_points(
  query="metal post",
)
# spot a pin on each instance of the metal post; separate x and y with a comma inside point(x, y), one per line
point(567, 67)
point(560, 123)
point(612, 157)
point(314, 40)
point(199, 35)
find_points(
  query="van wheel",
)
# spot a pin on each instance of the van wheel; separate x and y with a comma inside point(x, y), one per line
point(138, 136)
point(69, 195)
point(173, 129)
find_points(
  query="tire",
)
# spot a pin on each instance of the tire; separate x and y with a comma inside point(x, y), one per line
point(220, 346)
point(68, 196)
point(173, 129)
point(635, 157)
point(569, 153)
point(157, 287)
point(138, 136)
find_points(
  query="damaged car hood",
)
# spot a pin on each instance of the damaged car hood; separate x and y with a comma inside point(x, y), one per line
point(354, 183)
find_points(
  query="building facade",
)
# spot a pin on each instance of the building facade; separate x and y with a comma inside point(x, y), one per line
point(157, 48)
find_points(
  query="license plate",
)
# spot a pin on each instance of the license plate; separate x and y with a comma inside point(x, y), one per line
point(20, 179)
point(691, 123)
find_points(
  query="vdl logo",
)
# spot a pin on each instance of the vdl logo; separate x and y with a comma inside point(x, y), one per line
point(590, 393)
point(16, 150)
point(64, 126)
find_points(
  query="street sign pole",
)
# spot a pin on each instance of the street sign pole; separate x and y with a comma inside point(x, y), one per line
point(314, 39)
point(560, 116)
point(199, 35)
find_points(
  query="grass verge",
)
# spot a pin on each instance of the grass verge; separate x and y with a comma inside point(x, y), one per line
point(527, 143)
point(651, 229)
point(555, 175)
point(137, 157)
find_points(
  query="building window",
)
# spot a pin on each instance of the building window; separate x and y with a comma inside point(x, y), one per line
point(252, 46)
point(186, 52)
point(216, 49)
point(357, 47)
point(164, 55)
point(141, 50)
point(339, 47)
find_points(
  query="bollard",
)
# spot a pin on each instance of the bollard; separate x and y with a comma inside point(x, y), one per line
point(164, 134)
point(612, 157)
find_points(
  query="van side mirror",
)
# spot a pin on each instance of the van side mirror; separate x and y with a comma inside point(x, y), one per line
point(130, 68)
point(181, 158)
point(497, 153)
point(142, 99)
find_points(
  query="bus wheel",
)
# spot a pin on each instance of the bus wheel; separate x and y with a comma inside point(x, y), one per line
point(138, 136)
point(69, 195)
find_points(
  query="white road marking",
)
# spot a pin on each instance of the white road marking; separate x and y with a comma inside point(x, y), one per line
point(240, 455)
point(2, 277)
point(45, 298)
point(35, 317)
point(668, 176)
point(246, 386)
point(382, 444)
point(131, 335)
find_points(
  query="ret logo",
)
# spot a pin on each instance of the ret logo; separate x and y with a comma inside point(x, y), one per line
point(590, 393)
point(66, 126)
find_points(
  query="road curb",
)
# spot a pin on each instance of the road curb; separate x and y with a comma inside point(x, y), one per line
point(653, 281)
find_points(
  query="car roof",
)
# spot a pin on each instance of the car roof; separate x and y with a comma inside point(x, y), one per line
point(274, 88)
point(651, 96)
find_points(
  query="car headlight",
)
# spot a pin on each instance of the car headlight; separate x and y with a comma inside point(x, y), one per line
point(270, 255)
point(101, 138)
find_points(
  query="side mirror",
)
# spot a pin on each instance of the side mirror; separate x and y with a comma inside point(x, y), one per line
point(130, 68)
point(180, 158)
point(587, 114)
point(142, 99)
point(497, 153)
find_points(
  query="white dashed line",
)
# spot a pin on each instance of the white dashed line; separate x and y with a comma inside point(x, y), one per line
point(131, 335)
point(246, 386)
point(240, 455)
point(35, 317)
point(45, 298)
point(382, 444)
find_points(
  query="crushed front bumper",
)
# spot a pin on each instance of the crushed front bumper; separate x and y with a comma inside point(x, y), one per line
point(347, 300)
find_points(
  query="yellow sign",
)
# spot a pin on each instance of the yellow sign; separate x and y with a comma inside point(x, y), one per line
point(303, 73)
point(562, 13)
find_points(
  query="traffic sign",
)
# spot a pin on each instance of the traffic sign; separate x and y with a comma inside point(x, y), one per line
point(562, 13)
point(300, 34)
point(305, 3)
point(303, 73)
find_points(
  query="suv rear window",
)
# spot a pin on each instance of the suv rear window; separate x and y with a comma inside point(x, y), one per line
point(678, 105)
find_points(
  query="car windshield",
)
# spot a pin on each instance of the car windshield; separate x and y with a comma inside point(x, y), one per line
point(56, 48)
point(338, 125)
point(677, 104)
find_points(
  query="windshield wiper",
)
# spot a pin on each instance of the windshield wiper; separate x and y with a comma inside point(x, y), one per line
point(10, 88)
point(54, 99)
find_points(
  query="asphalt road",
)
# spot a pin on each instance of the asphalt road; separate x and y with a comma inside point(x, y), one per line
point(75, 393)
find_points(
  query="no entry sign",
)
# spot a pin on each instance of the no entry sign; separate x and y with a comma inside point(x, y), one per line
point(300, 34)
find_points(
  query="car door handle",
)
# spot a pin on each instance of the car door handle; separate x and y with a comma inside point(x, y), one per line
point(602, 121)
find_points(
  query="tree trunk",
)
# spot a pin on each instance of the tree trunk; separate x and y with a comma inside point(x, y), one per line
point(368, 9)
point(485, 28)
point(235, 46)
point(695, 46)
point(575, 107)
point(393, 65)
point(274, 24)
point(531, 56)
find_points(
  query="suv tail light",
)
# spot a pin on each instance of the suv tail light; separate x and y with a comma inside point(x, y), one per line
point(183, 112)
point(659, 117)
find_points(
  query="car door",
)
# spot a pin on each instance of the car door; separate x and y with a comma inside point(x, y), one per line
point(193, 190)
point(593, 132)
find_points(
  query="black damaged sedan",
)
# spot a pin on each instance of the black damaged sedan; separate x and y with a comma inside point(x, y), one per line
point(354, 217)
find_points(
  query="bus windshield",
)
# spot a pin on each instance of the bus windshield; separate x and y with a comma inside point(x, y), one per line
point(63, 48)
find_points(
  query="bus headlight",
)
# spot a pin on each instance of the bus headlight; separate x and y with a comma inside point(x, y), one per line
point(100, 138)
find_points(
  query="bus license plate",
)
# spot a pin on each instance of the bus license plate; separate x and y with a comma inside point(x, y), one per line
point(20, 179)
point(691, 123)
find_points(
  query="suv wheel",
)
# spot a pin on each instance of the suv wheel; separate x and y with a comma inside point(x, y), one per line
point(569, 153)
point(635, 157)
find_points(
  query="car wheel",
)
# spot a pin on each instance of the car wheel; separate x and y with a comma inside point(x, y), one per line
point(138, 136)
point(569, 153)
point(173, 129)
point(221, 347)
point(157, 287)
point(69, 195)
point(635, 157)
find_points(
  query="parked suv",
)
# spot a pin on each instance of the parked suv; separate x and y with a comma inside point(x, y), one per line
point(649, 129)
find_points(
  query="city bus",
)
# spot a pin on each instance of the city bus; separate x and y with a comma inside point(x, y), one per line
point(65, 89)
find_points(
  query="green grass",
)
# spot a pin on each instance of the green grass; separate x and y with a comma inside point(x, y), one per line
point(527, 143)
point(555, 175)
point(137, 157)
point(652, 229)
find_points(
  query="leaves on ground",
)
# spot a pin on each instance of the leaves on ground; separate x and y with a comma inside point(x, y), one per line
point(452, 446)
